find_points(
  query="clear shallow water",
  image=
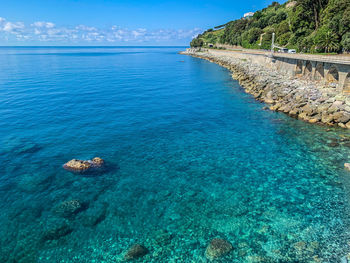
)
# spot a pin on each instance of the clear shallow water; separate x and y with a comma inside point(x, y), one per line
point(190, 157)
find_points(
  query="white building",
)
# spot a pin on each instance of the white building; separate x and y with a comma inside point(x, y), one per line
point(249, 14)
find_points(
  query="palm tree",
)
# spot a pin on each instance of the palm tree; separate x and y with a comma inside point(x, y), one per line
point(328, 41)
point(331, 42)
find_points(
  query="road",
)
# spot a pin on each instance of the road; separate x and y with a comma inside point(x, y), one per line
point(337, 59)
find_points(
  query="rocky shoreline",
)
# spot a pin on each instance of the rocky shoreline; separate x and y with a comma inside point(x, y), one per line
point(303, 99)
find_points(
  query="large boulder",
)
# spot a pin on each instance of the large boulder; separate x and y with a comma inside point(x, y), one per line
point(135, 251)
point(341, 116)
point(217, 248)
point(76, 165)
point(308, 109)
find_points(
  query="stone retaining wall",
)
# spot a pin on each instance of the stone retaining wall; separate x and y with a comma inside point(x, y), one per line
point(300, 98)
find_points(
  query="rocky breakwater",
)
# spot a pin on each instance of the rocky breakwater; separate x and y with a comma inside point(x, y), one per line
point(307, 100)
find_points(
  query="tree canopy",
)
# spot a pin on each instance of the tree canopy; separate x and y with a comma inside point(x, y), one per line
point(305, 25)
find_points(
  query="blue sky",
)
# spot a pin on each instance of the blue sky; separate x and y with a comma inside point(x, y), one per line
point(114, 22)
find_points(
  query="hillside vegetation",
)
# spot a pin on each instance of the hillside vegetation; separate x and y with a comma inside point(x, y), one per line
point(306, 25)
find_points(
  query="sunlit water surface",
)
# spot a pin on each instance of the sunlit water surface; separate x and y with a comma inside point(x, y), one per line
point(189, 155)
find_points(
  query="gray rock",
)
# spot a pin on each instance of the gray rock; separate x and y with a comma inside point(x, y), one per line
point(69, 208)
point(135, 251)
point(341, 116)
point(217, 248)
point(56, 232)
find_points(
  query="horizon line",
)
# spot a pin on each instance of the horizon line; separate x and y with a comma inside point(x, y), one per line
point(94, 46)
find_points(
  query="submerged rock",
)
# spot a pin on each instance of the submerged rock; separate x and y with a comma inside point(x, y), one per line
point(333, 144)
point(56, 232)
point(15, 145)
point(135, 251)
point(69, 208)
point(34, 182)
point(76, 165)
point(217, 248)
point(347, 166)
point(94, 215)
point(163, 237)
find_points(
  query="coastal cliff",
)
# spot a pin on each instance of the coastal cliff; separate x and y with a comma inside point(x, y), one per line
point(300, 98)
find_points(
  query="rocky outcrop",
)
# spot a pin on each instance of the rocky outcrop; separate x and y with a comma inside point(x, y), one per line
point(217, 248)
point(80, 166)
point(306, 100)
point(135, 251)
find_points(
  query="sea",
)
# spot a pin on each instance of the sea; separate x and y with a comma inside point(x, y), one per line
point(189, 157)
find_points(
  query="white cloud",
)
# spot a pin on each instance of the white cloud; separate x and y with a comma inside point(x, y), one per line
point(85, 28)
point(49, 32)
point(13, 27)
point(43, 24)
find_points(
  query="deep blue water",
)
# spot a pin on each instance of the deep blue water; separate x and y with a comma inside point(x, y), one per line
point(190, 157)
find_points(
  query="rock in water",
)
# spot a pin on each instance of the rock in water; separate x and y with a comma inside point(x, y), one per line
point(57, 232)
point(69, 208)
point(94, 215)
point(217, 248)
point(135, 251)
point(347, 166)
point(81, 166)
point(76, 165)
point(97, 161)
point(333, 144)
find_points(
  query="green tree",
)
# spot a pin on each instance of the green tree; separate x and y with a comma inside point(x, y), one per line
point(282, 28)
point(284, 39)
point(327, 40)
point(309, 26)
point(346, 42)
point(344, 23)
point(197, 42)
point(253, 35)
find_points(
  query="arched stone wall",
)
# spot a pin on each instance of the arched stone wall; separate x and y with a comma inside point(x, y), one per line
point(308, 70)
point(346, 88)
point(333, 75)
point(299, 68)
point(319, 72)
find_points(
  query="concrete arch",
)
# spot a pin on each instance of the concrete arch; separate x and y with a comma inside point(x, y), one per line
point(299, 68)
point(347, 84)
point(333, 75)
point(319, 72)
point(308, 69)
point(279, 64)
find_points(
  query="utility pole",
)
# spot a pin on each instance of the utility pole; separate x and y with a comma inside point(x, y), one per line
point(272, 43)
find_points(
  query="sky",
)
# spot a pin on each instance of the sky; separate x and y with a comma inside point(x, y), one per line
point(114, 22)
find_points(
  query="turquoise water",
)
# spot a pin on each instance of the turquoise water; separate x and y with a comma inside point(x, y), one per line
point(189, 155)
